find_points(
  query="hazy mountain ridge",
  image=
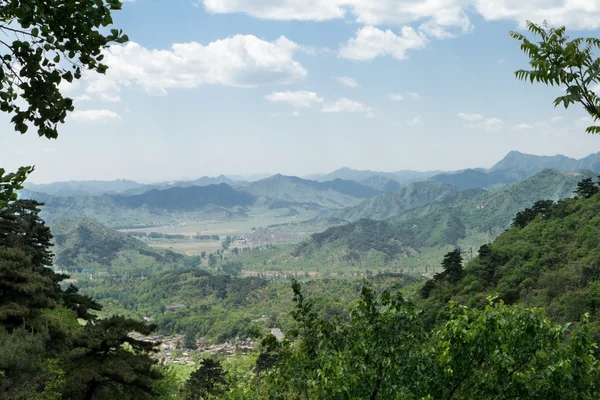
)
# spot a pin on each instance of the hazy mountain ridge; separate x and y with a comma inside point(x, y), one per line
point(333, 194)
point(402, 177)
point(188, 198)
point(412, 196)
point(79, 188)
point(476, 218)
point(514, 167)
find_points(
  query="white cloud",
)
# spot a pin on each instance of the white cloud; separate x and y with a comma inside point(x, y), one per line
point(283, 10)
point(493, 124)
point(241, 61)
point(94, 116)
point(370, 113)
point(523, 127)
point(344, 105)
point(438, 18)
point(347, 81)
point(470, 117)
point(502, 61)
point(301, 98)
point(295, 114)
point(274, 115)
point(583, 122)
point(417, 120)
point(395, 97)
point(414, 95)
point(576, 14)
point(371, 42)
point(83, 97)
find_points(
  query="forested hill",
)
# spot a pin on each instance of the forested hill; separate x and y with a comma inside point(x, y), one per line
point(332, 194)
point(412, 196)
point(86, 244)
point(188, 198)
point(549, 259)
point(432, 227)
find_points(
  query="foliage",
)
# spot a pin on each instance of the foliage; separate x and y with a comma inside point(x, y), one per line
point(46, 352)
point(105, 359)
point(49, 35)
point(10, 183)
point(551, 261)
point(384, 352)
point(556, 60)
point(206, 382)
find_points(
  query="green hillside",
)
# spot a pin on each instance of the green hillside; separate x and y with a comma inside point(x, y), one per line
point(419, 236)
point(551, 259)
point(337, 193)
point(383, 183)
point(219, 308)
point(410, 197)
point(89, 245)
point(107, 211)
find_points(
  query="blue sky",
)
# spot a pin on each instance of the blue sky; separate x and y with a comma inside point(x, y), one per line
point(303, 86)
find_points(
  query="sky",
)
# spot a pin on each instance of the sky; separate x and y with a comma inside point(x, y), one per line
point(238, 87)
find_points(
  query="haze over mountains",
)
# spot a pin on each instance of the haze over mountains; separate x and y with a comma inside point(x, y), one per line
point(348, 196)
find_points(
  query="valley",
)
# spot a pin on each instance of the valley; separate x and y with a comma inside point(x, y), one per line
point(252, 238)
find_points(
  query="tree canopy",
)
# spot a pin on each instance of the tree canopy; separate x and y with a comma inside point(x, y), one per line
point(46, 42)
point(556, 60)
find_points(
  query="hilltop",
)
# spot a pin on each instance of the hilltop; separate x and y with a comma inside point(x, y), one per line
point(402, 177)
point(190, 198)
point(87, 244)
point(516, 166)
point(330, 194)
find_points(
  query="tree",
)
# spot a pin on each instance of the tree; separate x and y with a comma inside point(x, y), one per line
point(10, 183)
point(382, 351)
point(105, 357)
point(586, 188)
point(556, 60)
point(212, 260)
point(189, 339)
point(452, 265)
point(52, 41)
point(205, 382)
point(26, 285)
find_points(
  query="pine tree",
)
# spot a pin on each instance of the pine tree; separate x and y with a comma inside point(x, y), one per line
point(105, 358)
point(452, 265)
point(206, 381)
point(586, 188)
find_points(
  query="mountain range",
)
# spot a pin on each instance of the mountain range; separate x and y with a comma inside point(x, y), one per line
point(396, 227)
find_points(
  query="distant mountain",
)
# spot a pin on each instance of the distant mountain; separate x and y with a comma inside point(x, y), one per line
point(514, 167)
point(333, 194)
point(119, 211)
point(523, 165)
point(188, 198)
point(415, 195)
point(428, 230)
point(402, 177)
point(381, 183)
point(83, 188)
point(476, 178)
point(204, 181)
point(87, 244)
